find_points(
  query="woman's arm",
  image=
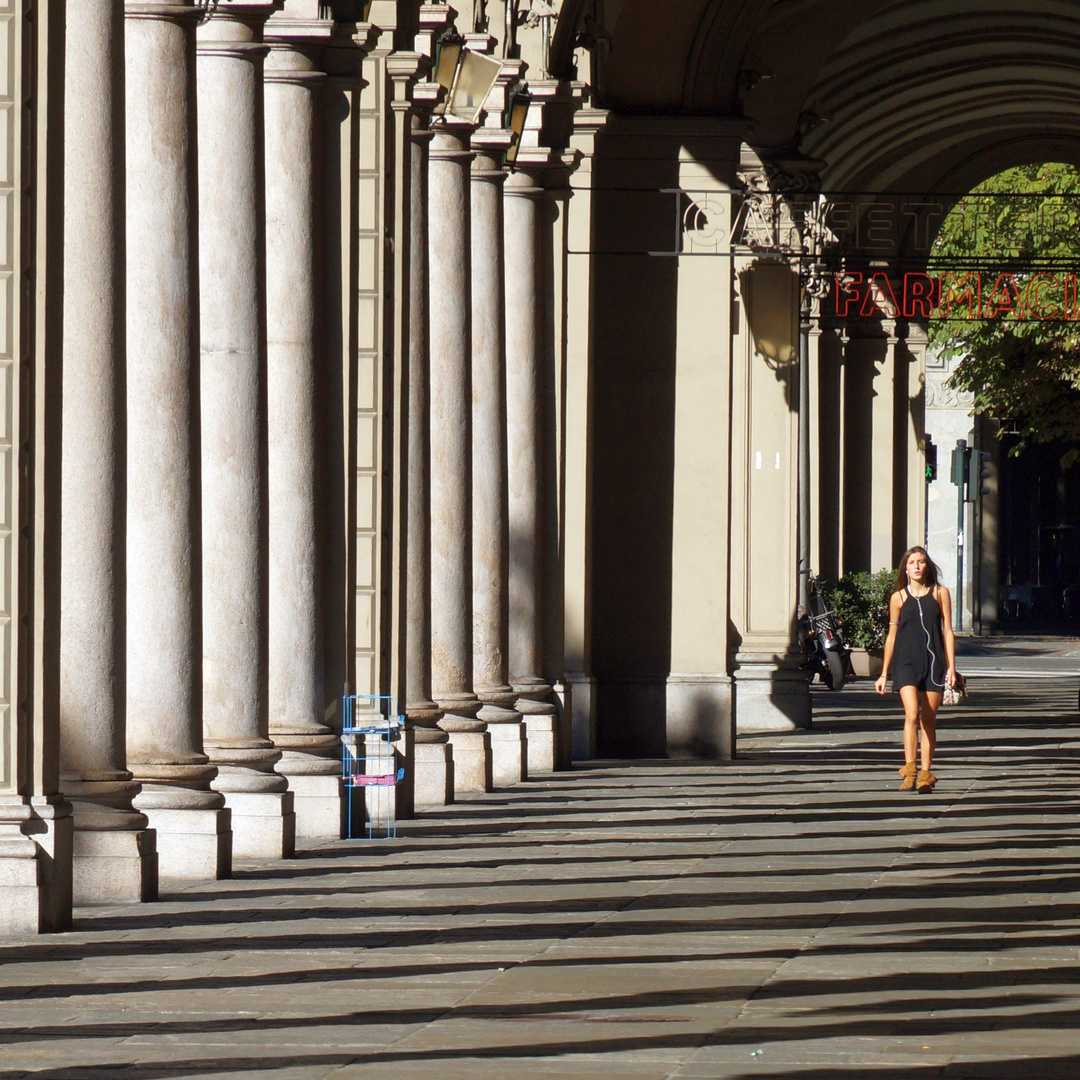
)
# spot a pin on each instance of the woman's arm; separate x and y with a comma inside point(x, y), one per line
point(894, 621)
point(945, 602)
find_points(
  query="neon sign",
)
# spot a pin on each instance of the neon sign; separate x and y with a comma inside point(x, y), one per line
point(957, 294)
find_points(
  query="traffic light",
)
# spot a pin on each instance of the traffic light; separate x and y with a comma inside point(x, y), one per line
point(978, 475)
point(959, 463)
point(931, 459)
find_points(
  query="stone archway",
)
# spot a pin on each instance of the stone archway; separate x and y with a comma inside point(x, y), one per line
point(923, 97)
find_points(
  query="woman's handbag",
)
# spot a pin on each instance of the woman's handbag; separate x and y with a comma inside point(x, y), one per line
point(956, 695)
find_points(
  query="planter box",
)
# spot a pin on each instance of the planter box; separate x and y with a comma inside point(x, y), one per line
point(867, 663)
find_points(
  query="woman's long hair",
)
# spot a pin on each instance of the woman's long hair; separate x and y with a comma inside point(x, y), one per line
point(933, 571)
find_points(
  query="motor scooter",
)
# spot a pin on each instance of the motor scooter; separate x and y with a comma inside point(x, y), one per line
point(827, 654)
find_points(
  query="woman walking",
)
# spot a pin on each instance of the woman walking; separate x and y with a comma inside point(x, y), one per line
point(921, 652)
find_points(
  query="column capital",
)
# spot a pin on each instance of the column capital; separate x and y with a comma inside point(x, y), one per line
point(404, 69)
point(167, 12)
point(425, 96)
point(524, 180)
point(490, 145)
point(590, 121)
point(450, 141)
point(287, 62)
point(236, 50)
point(237, 32)
point(434, 19)
point(256, 11)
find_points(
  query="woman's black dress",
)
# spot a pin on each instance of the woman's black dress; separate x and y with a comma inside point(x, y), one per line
point(919, 651)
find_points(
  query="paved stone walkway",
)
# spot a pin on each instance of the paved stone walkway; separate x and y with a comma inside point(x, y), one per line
point(790, 914)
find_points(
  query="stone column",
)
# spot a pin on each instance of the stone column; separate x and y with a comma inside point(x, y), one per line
point(232, 326)
point(450, 411)
point(771, 690)
point(579, 394)
point(489, 520)
point(524, 359)
point(433, 755)
point(115, 857)
point(311, 751)
point(165, 747)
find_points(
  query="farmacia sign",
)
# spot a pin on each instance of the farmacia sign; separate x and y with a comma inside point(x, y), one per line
point(957, 294)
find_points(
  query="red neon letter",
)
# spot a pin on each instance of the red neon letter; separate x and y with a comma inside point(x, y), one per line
point(967, 289)
point(880, 298)
point(1005, 299)
point(1031, 296)
point(918, 294)
point(846, 292)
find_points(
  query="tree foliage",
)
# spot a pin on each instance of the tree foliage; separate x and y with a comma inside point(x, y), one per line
point(861, 603)
point(1023, 371)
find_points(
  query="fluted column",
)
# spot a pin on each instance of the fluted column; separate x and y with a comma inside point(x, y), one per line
point(165, 747)
point(451, 467)
point(489, 496)
point(434, 781)
point(231, 256)
point(114, 853)
point(311, 751)
point(525, 432)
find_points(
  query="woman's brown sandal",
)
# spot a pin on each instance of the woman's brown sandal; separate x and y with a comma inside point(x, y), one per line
point(927, 780)
point(908, 774)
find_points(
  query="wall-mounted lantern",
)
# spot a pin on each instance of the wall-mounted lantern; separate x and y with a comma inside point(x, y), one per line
point(517, 109)
point(448, 50)
point(466, 76)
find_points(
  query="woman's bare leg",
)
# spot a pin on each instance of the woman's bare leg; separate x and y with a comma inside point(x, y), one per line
point(910, 698)
point(928, 726)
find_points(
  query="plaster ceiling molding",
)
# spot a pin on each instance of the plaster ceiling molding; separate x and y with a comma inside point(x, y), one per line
point(897, 96)
point(791, 39)
point(919, 89)
point(720, 55)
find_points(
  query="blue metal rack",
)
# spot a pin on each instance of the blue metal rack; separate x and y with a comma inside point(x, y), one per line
point(371, 764)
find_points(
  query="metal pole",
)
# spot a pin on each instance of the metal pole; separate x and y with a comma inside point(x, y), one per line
point(961, 446)
point(804, 454)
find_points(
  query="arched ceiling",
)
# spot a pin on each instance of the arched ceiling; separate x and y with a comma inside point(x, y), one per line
point(906, 95)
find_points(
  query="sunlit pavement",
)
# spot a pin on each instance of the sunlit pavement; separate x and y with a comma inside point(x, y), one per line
point(789, 914)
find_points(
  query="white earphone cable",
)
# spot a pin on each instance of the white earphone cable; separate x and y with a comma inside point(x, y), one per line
point(929, 644)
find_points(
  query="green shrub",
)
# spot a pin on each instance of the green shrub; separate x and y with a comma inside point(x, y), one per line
point(861, 603)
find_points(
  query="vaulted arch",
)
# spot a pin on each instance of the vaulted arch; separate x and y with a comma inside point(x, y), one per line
point(900, 95)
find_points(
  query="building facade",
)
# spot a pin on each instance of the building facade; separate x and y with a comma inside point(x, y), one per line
point(453, 356)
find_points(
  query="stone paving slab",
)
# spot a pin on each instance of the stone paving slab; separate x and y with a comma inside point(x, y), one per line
point(789, 914)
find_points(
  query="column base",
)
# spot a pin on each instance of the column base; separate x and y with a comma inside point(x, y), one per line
point(115, 867)
point(582, 715)
point(472, 761)
point(700, 717)
point(53, 830)
point(23, 899)
point(770, 695)
point(542, 741)
point(263, 824)
point(541, 722)
point(192, 843)
point(314, 774)
point(114, 851)
point(509, 753)
point(433, 774)
point(319, 804)
point(35, 872)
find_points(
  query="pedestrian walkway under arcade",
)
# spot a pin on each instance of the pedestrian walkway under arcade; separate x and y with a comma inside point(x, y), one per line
point(786, 914)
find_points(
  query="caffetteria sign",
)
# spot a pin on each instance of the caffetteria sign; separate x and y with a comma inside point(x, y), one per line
point(957, 294)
